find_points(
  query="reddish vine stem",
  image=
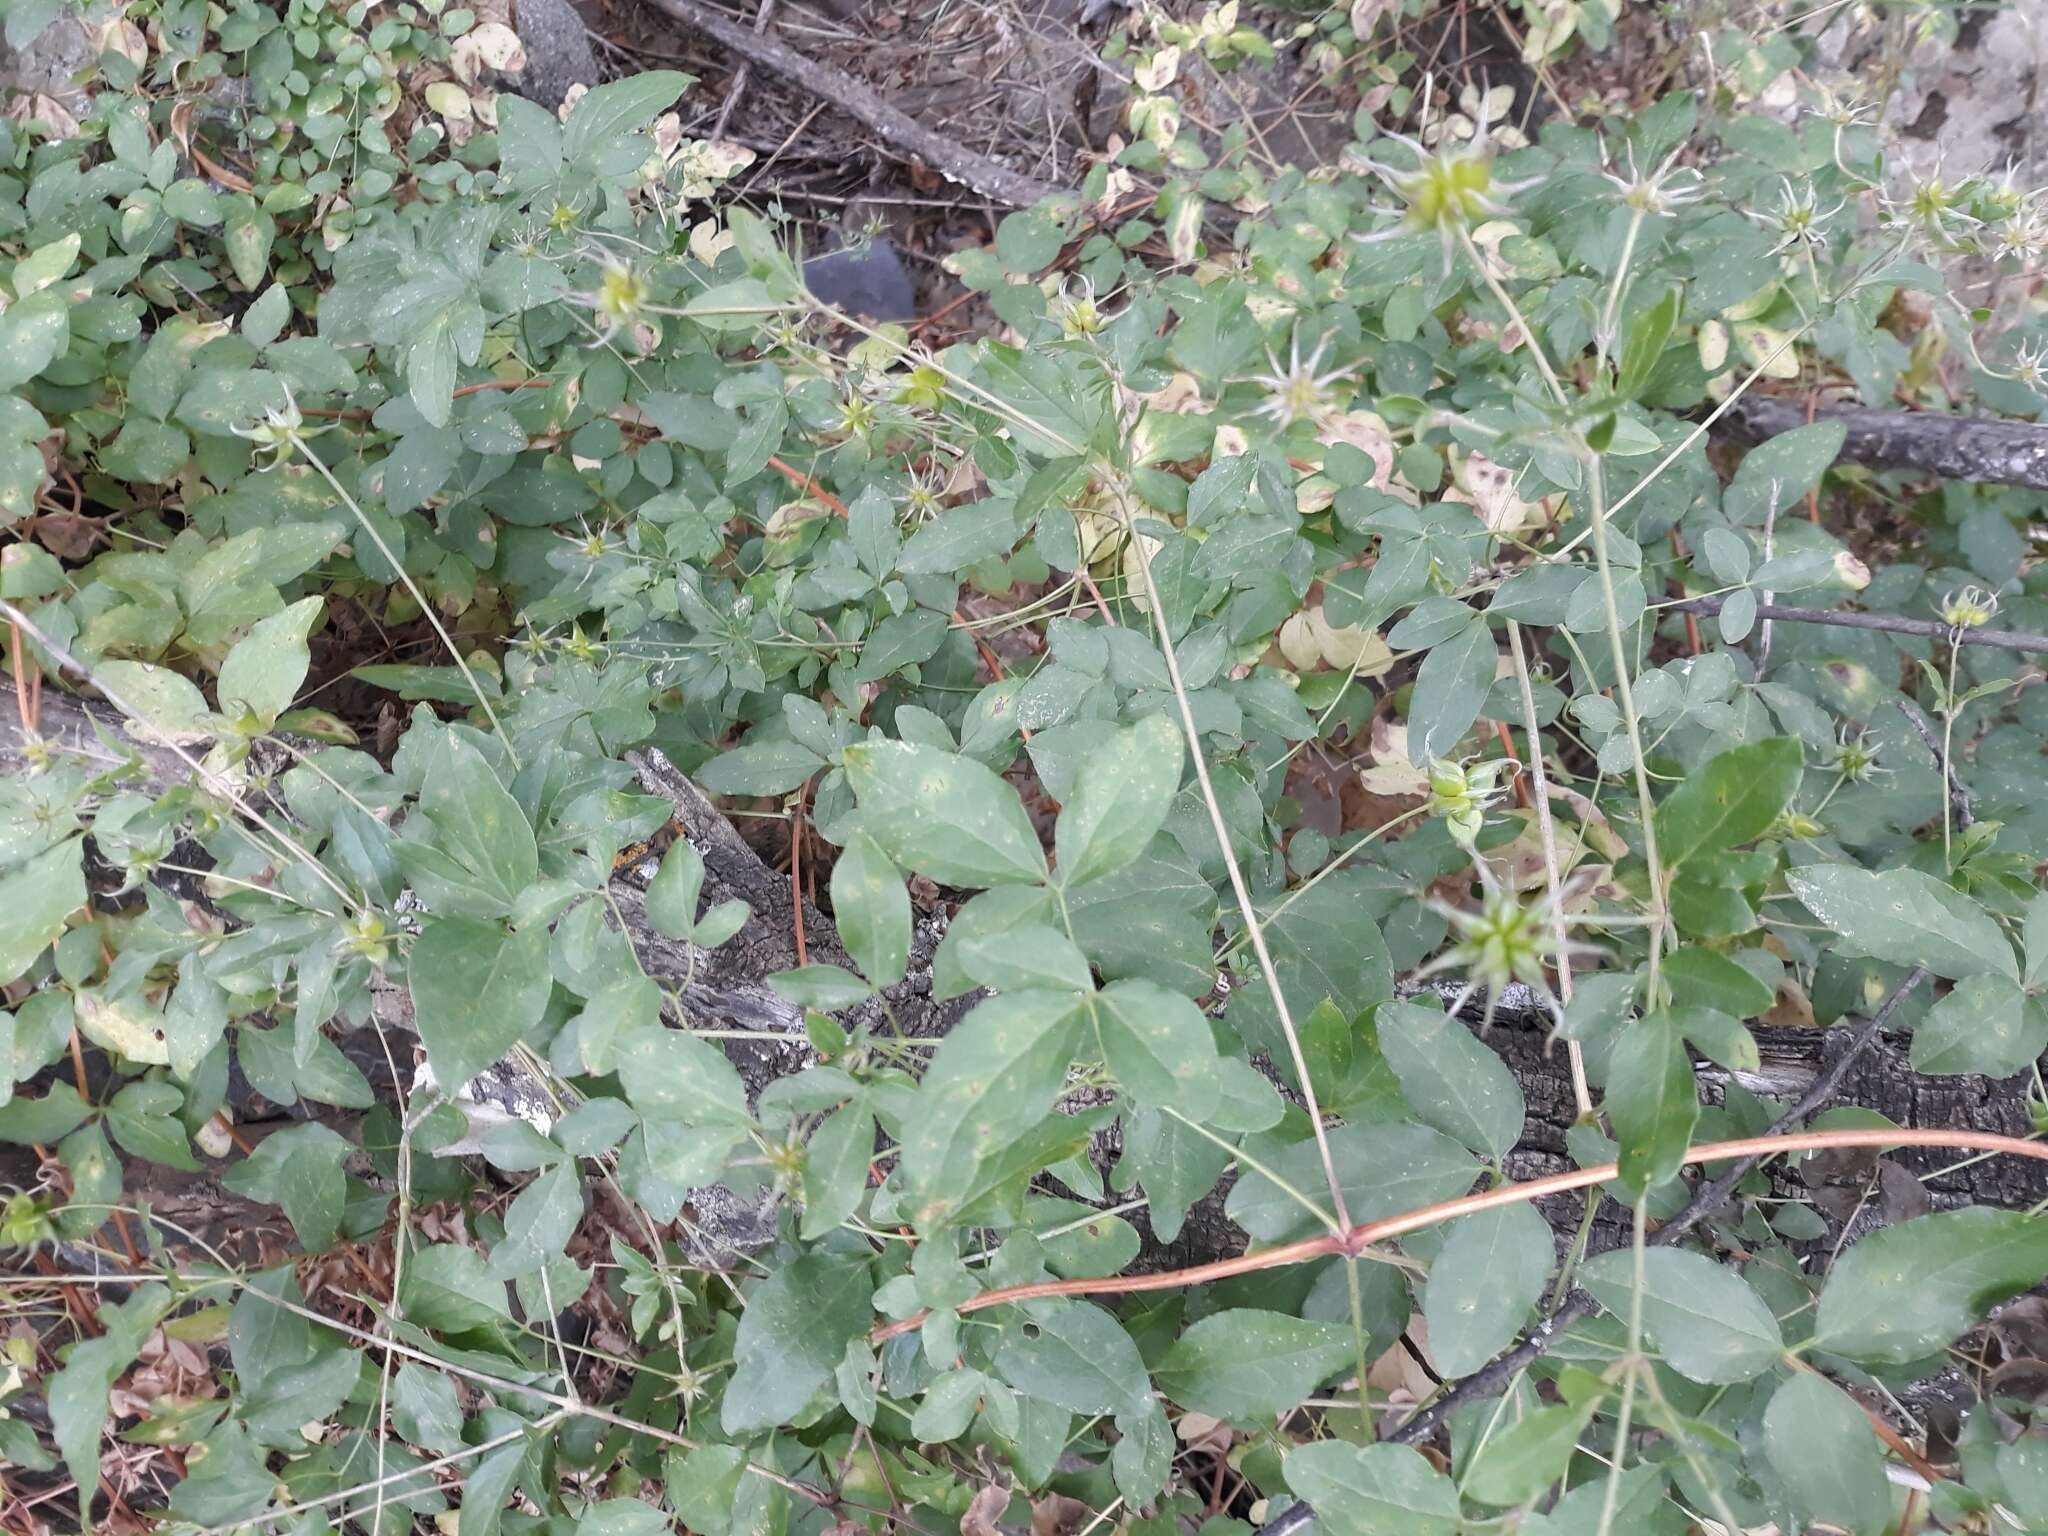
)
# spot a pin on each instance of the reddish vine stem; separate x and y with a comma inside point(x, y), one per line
point(28, 687)
point(1354, 1242)
point(357, 414)
point(1507, 745)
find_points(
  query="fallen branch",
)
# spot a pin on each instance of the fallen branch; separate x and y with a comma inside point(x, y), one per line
point(1961, 816)
point(1954, 447)
point(1888, 623)
point(946, 156)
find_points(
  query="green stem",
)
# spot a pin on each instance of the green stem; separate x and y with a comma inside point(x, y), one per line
point(1633, 1365)
point(1238, 888)
point(1603, 339)
point(1597, 497)
point(1245, 1159)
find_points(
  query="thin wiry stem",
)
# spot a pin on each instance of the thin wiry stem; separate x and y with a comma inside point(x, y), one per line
point(1603, 340)
point(1237, 885)
point(426, 608)
point(1546, 830)
point(1632, 1366)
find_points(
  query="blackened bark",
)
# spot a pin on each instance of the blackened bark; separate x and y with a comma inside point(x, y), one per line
point(1954, 447)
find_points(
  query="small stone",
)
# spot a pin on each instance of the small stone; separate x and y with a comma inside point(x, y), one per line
point(867, 280)
point(557, 49)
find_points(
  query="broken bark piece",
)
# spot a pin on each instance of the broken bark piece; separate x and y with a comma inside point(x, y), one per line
point(1969, 448)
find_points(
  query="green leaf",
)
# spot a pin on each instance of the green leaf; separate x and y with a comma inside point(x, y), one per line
point(1648, 333)
point(957, 539)
point(1450, 689)
point(1709, 1324)
point(1159, 1046)
point(2036, 936)
point(827, 988)
point(539, 1223)
point(1987, 1024)
point(143, 1119)
point(1652, 1100)
point(702, 1486)
point(739, 305)
point(1120, 800)
point(1076, 1356)
point(609, 112)
point(670, 1074)
point(1490, 1271)
point(1030, 955)
point(759, 768)
point(247, 234)
point(47, 263)
point(1718, 1036)
point(1732, 798)
point(1775, 474)
point(1905, 917)
point(476, 991)
point(33, 335)
point(78, 1392)
point(145, 452)
point(899, 642)
point(164, 701)
point(1523, 1459)
point(1823, 1450)
point(49, 1118)
point(477, 822)
point(943, 816)
point(836, 1168)
point(1028, 240)
point(264, 671)
point(446, 684)
point(792, 1334)
point(1382, 1169)
point(1248, 1367)
point(299, 1169)
point(1453, 1082)
point(992, 1079)
point(425, 1409)
point(1372, 1490)
point(36, 900)
point(1322, 947)
point(623, 1517)
point(1906, 1291)
point(672, 894)
point(1175, 1165)
point(1705, 979)
point(871, 906)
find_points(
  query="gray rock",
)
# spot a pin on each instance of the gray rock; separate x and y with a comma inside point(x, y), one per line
point(49, 63)
point(1973, 102)
point(557, 50)
point(866, 280)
